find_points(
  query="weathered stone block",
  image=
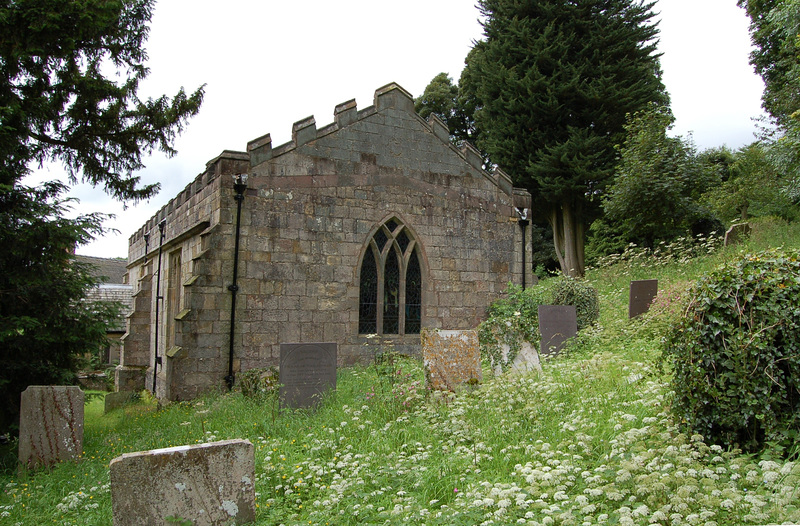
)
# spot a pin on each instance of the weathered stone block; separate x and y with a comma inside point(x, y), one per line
point(209, 484)
point(50, 425)
point(451, 358)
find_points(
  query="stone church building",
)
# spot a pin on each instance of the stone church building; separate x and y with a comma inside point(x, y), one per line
point(361, 233)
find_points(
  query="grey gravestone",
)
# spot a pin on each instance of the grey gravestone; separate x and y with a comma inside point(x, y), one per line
point(307, 370)
point(119, 399)
point(736, 233)
point(642, 293)
point(208, 484)
point(557, 324)
point(50, 425)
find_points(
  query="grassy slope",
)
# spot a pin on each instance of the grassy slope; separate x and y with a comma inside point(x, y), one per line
point(590, 441)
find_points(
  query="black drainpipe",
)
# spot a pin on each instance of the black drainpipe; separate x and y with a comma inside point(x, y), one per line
point(157, 361)
point(239, 185)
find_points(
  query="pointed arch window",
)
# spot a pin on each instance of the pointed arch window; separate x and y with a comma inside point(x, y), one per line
point(390, 287)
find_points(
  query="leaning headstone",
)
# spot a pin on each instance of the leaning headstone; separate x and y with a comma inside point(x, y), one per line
point(737, 233)
point(641, 295)
point(208, 484)
point(527, 359)
point(119, 399)
point(557, 324)
point(50, 425)
point(306, 372)
point(451, 358)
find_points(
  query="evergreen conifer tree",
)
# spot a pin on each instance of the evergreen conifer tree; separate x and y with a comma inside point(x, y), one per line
point(552, 83)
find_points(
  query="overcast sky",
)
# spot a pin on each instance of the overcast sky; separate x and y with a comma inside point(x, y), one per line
point(267, 64)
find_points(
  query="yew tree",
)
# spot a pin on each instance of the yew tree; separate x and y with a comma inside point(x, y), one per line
point(552, 83)
point(69, 79)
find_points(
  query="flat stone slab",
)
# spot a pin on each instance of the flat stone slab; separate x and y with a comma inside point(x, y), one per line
point(209, 484)
point(451, 358)
point(641, 295)
point(307, 371)
point(50, 425)
point(557, 324)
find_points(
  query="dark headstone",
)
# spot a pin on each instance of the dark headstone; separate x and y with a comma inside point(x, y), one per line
point(642, 293)
point(557, 324)
point(736, 233)
point(307, 371)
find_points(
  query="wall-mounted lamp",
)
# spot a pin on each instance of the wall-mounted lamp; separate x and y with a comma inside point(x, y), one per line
point(523, 224)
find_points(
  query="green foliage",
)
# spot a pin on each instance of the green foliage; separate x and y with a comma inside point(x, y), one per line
point(551, 85)
point(57, 105)
point(656, 190)
point(258, 382)
point(441, 98)
point(515, 318)
point(45, 323)
point(753, 187)
point(736, 352)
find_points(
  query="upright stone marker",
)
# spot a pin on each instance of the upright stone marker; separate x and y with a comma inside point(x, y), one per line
point(452, 358)
point(736, 233)
point(557, 324)
point(209, 484)
point(307, 371)
point(50, 425)
point(641, 295)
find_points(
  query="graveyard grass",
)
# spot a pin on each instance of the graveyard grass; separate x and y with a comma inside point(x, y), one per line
point(589, 441)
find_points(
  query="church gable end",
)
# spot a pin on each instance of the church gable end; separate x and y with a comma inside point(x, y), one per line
point(360, 233)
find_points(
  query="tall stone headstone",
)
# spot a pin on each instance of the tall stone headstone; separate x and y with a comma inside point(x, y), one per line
point(306, 372)
point(50, 425)
point(736, 233)
point(641, 295)
point(451, 358)
point(557, 324)
point(209, 484)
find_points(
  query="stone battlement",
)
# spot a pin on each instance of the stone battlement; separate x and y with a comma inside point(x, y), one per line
point(259, 150)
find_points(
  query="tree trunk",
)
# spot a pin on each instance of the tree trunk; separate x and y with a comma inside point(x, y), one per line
point(568, 230)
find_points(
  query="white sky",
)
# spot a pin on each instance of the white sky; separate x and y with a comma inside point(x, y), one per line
point(268, 64)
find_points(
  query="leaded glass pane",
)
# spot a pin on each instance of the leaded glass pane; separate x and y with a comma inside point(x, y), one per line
point(413, 295)
point(391, 225)
point(403, 241)
point(368, 295)
point(391, 295)
point(380, 239)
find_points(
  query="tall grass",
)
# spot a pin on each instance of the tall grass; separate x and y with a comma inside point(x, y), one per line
point(588, 441)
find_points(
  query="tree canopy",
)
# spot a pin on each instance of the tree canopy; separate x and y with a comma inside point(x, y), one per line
point(69, 75)
point(57, 104)
point(552, 83)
